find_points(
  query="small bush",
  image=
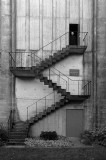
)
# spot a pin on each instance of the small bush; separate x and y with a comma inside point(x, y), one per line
point(51, 135)
point(94, 136)
point(3, 135)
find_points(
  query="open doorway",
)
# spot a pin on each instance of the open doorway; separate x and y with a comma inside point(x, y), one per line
point(73, 34)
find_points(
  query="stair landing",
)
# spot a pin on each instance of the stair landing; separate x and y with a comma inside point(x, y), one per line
point(69, 50)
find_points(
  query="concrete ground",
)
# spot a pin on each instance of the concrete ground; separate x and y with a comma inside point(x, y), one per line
point(75, 143)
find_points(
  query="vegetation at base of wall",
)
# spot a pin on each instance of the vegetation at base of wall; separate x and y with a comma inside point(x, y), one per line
point(49, 135)
point(3, 136)
point(89, 137)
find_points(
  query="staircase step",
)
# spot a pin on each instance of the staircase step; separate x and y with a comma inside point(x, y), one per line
point(17, 133)
point(15, 143)
point(17, 136)
point(17, 140)
point(57, 105)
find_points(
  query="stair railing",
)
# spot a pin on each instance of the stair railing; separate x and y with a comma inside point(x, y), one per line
point(51, 48)
point(87, 88)
point(46, 103)
point(11, 120)
point(44, 100)
point(86, 85)
point(70, 82)
point(57, 45)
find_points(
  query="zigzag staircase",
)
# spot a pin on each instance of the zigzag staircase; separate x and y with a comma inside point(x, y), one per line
point(38, 65)
point(66, 97)
point(44, 63)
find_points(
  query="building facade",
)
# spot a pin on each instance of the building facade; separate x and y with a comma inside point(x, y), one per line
point(47, 44)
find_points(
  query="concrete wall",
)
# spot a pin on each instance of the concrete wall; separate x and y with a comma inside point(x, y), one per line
point(28, 91)
point(54, 122)
point(74, 83)
point(39, 22)
point(101, 63)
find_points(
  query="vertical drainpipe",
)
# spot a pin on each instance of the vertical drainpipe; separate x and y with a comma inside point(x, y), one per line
point(94, 65)
point(39, 23)
point(52, 24)
point(13, 47)
point(27, 32)
point(42, 25)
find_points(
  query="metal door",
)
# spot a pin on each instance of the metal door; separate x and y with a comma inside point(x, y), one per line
point(74, 122)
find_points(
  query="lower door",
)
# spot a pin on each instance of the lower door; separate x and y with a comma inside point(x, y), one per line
point(74, 122)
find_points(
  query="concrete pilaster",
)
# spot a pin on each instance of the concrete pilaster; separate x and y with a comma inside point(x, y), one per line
point(5, 75)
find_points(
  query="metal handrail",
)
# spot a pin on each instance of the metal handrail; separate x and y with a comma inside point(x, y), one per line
point(60, 71)
point(51, 50)
point(51, 42)
point(40, 99)
point(63, 75)
point(37, 102)
point(59, 38)
point(11, 120)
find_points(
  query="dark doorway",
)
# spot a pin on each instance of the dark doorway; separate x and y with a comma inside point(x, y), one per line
point(73, 34)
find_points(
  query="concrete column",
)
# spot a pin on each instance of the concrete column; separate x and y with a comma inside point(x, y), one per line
point(5, 76)
point(101, 63)
point(27, 25)
point(94, 65)
point(27, 34)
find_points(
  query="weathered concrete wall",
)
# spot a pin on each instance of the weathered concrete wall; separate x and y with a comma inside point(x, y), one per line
point(74, 83)
point(28, 91)
point(101, 62)
point(54, 122)
point(5, 47)
point(39, 22)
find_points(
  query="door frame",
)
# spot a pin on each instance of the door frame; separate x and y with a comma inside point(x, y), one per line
point(78, 31)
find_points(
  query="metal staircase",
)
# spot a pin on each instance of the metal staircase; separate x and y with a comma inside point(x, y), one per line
point(37, 64)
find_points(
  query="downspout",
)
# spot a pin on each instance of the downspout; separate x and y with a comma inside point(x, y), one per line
point(94, 65)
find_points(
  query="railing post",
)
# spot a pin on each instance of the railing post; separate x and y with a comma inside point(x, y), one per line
point(54, 97)
point(13, 116)
point(85, 90)
point(78, 87)
point(36, 108)
point(21, 59)
point(59, 78)
point(34, 59)
point(45, 103)
point(27, 114)
point(68, 84)
point(60, 43)
point(10, 60)
point(42, 53)
point(31, 60)
point(49, 73)
point(88, 88)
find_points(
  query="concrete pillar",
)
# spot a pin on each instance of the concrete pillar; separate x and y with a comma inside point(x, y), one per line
point(27, 25)
point(27, 33)
point(101, 62)
point(5, 75)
